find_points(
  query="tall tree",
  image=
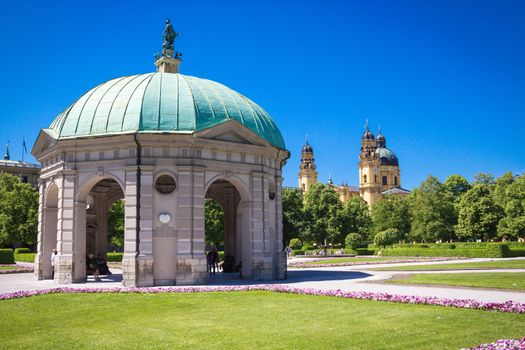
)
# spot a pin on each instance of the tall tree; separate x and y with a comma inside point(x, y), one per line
point(356, 218)
point(457, 185)
point(510, 194)
point(18, 212)
point(213, 222)
point(432, 211)
point(322, 207)
point(483, 179)
point(293, 215)
point(391, 212)
point(479, 214)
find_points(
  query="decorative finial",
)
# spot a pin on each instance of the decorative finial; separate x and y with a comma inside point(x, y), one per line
point(168, 60)
point(366, 124)
point(330, 182)
point(379, 130)
point(6, 155)
point(306, 138)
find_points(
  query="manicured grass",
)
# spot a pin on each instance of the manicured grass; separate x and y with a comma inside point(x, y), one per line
point(243, 320)
point(356, 260)
point(504, 280)
point(495, 264)
point(9, 267)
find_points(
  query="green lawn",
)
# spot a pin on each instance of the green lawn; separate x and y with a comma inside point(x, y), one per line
point(8, 267)
point(359, 260)
point(495, 264)
point(504, 280)
point(242, 320)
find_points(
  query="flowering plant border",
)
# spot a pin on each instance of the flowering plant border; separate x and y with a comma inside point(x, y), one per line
point(508, 306)
point(502, 344)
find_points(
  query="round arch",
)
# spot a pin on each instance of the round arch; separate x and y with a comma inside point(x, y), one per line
point(238, 183)
point(87, 185)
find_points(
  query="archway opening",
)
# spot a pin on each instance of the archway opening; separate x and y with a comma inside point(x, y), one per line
point(104, 228)
point(223, 225)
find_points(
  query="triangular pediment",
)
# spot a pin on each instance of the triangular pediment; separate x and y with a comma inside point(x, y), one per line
point(45, 139)
point(233, 131)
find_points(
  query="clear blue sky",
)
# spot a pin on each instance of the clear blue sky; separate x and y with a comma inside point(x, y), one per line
point(444, 79)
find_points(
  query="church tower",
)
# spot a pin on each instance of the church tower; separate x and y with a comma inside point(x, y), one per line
point(307, 169)
point(378, 169)
point(369, 187)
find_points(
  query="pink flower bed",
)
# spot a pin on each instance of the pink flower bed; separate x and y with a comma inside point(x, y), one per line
point(509, 306)
point(303, 265)
point(502, 344)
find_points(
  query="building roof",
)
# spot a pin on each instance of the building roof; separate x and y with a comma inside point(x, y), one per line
point(396, 190)
point(161, 102)
point(18, 164)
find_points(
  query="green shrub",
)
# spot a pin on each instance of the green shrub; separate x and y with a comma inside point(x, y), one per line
point(364, 251)
point(492, 250)
point(114, 257)
point(6, 256)
point(354, 240)
point(25, 257)
point(295, 243)
point(297, 252)
point(516, 252)
point(221, 255)
point(19, 251)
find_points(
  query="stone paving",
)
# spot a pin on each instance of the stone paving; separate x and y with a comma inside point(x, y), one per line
point(347, 278)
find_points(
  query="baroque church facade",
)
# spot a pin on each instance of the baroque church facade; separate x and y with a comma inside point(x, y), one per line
point(379, 172)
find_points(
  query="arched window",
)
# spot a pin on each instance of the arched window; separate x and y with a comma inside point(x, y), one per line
point(384, 180)
point(364, 178)
point(395, 180)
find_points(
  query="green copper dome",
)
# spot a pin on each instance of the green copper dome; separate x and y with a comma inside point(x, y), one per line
point(161, 102)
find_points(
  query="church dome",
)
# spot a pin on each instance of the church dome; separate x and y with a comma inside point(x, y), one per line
point(368, 135)
point(161, 103)
point(307, 148)
point(380, 140)
point(386, 156)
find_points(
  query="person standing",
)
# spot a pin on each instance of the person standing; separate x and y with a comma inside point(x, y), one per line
point(53, 256)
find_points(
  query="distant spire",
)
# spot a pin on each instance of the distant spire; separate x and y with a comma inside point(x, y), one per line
point(306, 138)
point(330, 182)
point(366, 124)
point(6, 155)
point(379, 130)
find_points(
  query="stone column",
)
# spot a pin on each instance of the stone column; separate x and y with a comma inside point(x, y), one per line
point(256, 269)
point(191, 259)
point(65, 238)
point(129, 260)
point(39, 266)
point(281, 259)
point(145, 258)
point(79, 242)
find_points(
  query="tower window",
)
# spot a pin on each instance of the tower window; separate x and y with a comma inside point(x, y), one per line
point(364, 178)
point(395, 180)
point(384, 180)
point(375, 178)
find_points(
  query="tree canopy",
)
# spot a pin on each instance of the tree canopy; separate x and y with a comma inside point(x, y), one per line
point(18, 212)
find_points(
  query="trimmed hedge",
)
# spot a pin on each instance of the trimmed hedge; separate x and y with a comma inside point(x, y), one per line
point(25, 257)
point(365, 251)
point(19, 251)
point(6, 256)
point(491, 250)
point(115, 257)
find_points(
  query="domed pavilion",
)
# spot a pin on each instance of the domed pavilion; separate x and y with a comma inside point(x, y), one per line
point(164, 142)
